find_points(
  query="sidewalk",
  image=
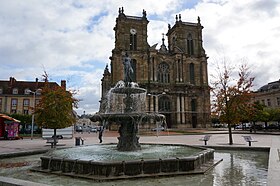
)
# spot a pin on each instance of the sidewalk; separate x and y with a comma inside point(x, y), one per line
point(25, 146)
point(9, 147)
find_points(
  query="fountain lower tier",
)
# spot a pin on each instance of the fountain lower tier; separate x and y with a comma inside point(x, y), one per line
point(139, 168)
point(128, 139)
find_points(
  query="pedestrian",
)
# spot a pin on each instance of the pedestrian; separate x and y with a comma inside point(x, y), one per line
point(6, 134)
point(100, 134)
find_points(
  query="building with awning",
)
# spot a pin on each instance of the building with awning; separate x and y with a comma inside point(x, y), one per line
point(9, 127)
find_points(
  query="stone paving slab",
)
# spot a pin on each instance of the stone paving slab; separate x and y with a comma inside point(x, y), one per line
point(5, 181)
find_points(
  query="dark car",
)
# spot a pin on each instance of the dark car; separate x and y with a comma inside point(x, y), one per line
point(272, 126)
point(58, 136)
point(79, 129)
point(27, 129)
point(257, 127)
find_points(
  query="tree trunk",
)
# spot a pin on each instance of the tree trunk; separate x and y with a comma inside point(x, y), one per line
point(230, 134)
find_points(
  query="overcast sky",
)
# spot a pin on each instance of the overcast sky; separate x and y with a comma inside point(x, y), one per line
point(73, 39)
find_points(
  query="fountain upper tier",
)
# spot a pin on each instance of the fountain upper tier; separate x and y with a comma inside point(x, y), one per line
point(125, 97)
point(115, 117)
point(128, 90)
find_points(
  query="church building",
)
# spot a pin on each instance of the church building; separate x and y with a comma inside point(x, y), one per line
point(175, 76)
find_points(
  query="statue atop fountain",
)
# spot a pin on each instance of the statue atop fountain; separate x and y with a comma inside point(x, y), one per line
point(128, 70)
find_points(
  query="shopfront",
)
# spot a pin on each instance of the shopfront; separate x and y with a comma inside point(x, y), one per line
point(9, 127)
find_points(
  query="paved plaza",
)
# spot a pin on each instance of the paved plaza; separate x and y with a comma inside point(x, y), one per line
point(218, 139)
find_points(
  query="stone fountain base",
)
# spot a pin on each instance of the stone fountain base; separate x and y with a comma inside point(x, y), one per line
point(128, 140)
point(101, 171)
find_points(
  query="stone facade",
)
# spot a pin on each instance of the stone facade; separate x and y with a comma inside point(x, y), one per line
point(175, 77)
point(268, 95)
point(17, 97)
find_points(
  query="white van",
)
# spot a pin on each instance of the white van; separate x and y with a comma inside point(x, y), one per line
point(65, 132)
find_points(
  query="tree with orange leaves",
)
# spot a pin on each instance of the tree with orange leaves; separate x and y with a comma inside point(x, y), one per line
point(231, 98)
point(55, 109)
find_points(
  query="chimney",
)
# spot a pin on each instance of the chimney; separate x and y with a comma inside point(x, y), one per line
point(37, 84)
point(12, 81)
point(63, 84)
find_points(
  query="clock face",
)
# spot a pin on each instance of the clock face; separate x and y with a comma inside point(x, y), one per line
point(132, 31)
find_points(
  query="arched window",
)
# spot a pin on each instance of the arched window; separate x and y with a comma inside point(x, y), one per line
point(164, 104)
point(163, 73)
point(133, 42)
point(192, 75)
point(190, 45)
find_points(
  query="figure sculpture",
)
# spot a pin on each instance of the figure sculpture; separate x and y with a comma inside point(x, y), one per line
point(128, 70)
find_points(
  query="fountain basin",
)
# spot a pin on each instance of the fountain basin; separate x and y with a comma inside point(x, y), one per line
point(141, 166)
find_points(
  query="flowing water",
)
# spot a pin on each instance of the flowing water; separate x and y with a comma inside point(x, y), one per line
point(107, 153)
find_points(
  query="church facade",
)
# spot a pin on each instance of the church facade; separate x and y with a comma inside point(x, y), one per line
point(175, 77)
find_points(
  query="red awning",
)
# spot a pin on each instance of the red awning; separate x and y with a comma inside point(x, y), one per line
point(9, 118)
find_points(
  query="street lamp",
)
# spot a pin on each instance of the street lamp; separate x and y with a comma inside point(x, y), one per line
point(155, 110)
point(34, 100)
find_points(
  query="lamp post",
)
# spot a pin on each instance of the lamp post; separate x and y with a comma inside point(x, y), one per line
point(34, 104)
point(156, 96)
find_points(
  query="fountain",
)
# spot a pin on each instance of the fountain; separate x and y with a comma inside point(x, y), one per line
point(125, 106)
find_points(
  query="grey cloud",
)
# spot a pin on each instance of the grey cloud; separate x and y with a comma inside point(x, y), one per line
point(267, 6)
point(258, 8)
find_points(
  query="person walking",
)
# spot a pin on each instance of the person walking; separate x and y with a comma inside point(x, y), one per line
point(100, 134)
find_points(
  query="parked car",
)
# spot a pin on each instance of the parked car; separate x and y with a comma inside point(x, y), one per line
point(243, 126)
point(217, 125)
point(238, 126)
point(58, 136)
point(272, 126)
point(158, 129)
point(79, 129)
point(93, 129)
point(257, 127)
point(27, 129)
